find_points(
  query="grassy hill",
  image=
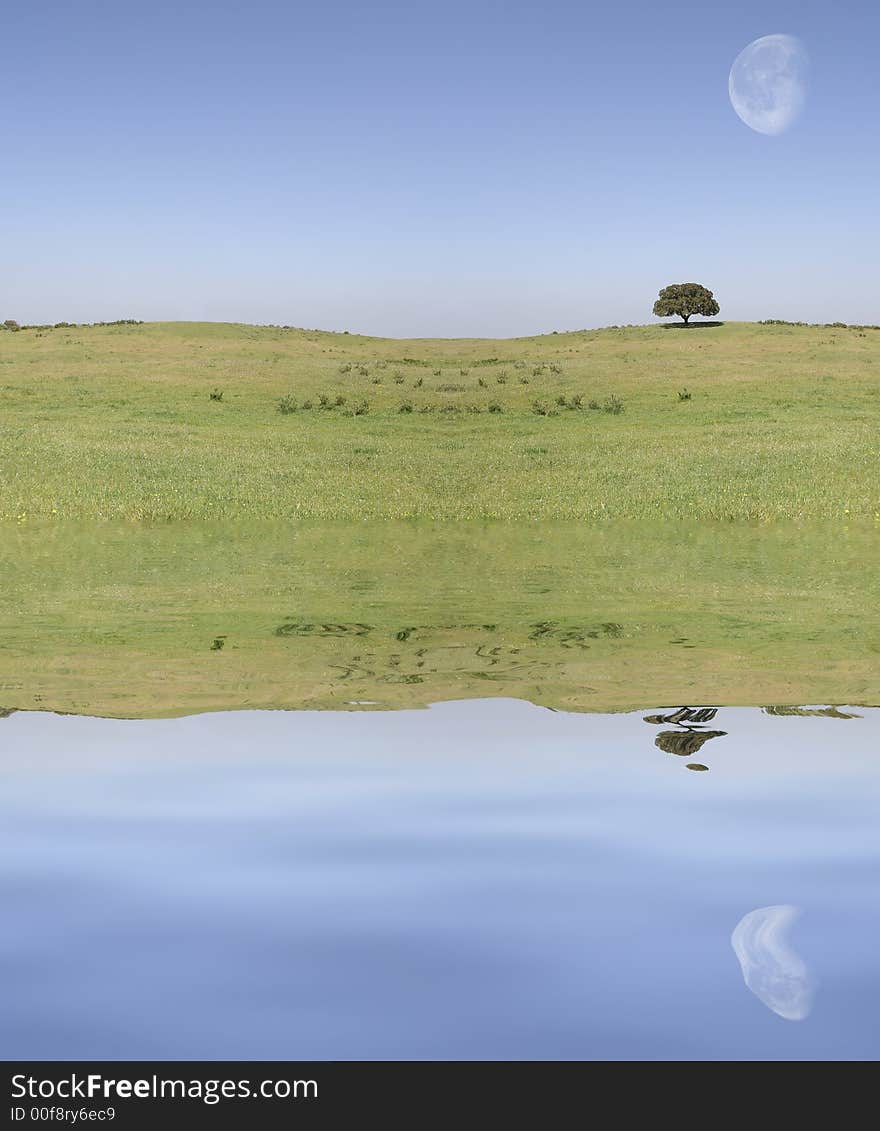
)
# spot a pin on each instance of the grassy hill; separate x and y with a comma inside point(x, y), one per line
point(736, 421)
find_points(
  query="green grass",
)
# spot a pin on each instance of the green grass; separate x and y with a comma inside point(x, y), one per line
point(162, 619)
point(118, 422)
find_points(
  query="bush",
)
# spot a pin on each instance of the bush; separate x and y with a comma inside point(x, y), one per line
point(684, 395)
point(287, 405)
point(406, 406)
point(495, 407)
point(216, 394)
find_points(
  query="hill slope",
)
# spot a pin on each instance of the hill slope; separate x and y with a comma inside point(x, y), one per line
point(118, 422)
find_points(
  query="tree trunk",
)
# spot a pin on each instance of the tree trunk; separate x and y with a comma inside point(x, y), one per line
point(685, 317)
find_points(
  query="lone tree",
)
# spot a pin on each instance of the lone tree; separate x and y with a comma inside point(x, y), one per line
point(685, 299)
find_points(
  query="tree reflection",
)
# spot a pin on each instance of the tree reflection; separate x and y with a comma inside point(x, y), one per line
point(691, 736)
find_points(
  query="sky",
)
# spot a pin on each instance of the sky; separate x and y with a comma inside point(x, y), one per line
point(478, 168)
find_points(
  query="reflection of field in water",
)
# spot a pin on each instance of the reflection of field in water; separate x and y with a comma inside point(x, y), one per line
point(156, 620)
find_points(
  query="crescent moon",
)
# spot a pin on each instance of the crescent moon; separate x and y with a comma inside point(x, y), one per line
point(767, 83)
point(774, 973)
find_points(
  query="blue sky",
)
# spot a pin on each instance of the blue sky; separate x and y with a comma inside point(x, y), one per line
point(465, 168)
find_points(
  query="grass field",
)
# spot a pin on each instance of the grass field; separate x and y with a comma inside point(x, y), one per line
point(118, 422)
point(144, 619)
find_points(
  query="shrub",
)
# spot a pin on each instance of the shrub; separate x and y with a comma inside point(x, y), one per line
point(495, 407)
point(377, 380)
point(406, 406)
point(361, 408)
point(524, 380)
point(324, 401)
point(417, 384)
point(306, 405)
point(345, 368)
point(398, 378)
point(363, 371)
point(539, 408)
point(340, 400)
point(287, 405)
point(614, 405)
point(684, 395)
point(216, 394)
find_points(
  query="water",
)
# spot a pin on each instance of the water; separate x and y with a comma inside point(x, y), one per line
point(484, 879)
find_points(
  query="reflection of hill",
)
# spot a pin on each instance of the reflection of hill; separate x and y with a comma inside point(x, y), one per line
point(685, 743)
point(5, 712)
point(121, 620)
point(824, 712)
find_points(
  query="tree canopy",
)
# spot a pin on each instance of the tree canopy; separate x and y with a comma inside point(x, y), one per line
point(685, 299)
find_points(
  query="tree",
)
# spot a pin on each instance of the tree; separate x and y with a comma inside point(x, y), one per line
point(685, 299)
point(11, 324)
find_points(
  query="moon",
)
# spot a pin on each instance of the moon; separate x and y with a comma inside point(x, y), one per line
point(768, 83)
point(774, 972)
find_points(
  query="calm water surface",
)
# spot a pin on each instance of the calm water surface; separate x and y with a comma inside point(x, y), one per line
point(484, 879)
